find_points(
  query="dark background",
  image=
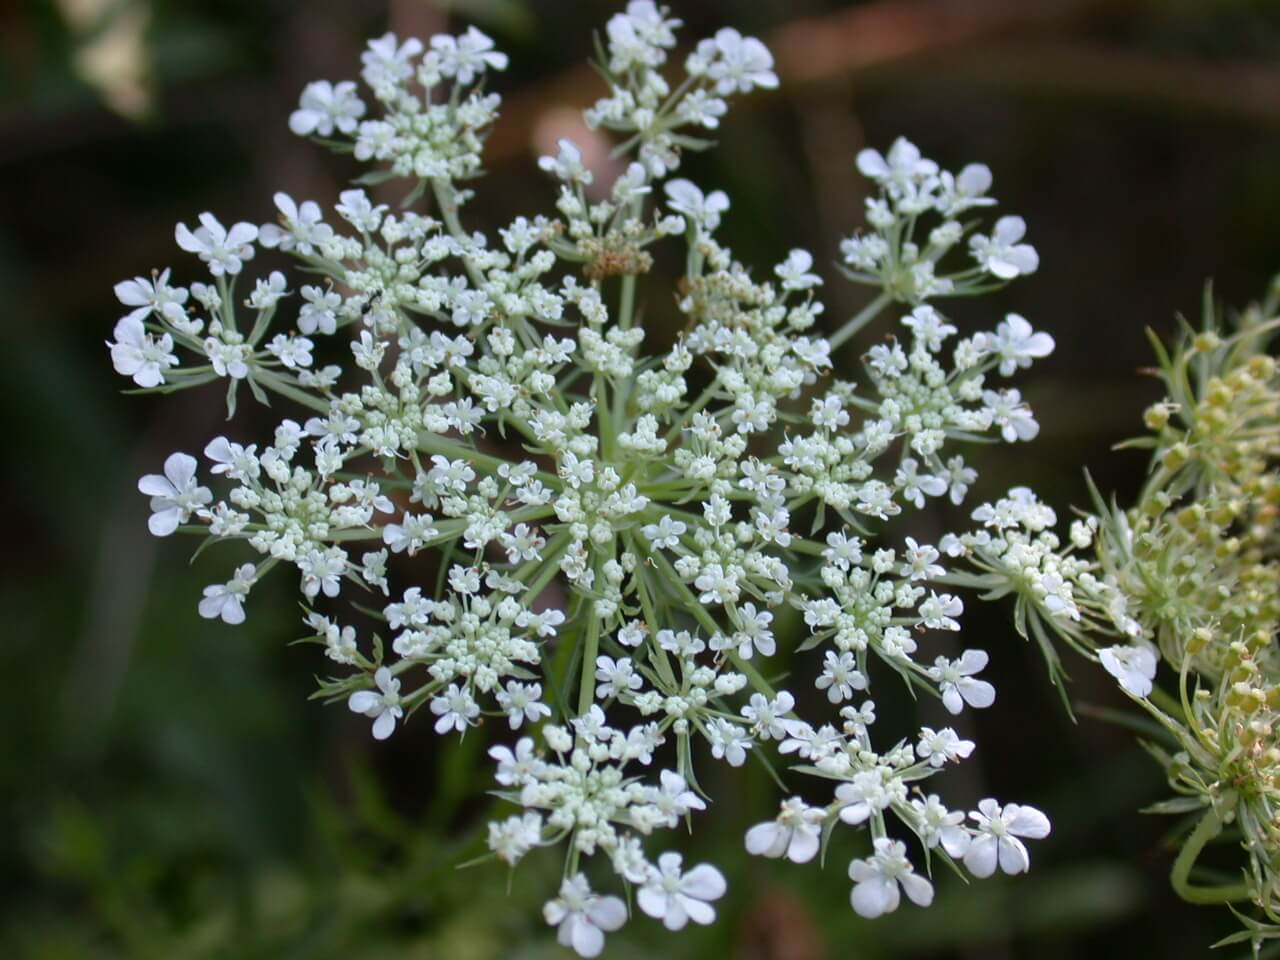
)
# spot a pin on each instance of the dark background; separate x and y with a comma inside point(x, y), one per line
point(169, 791)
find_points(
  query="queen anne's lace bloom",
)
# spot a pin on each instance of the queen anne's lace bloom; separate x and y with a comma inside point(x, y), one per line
point(544, 502)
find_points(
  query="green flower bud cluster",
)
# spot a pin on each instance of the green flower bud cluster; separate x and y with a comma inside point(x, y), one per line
point(1190, 574)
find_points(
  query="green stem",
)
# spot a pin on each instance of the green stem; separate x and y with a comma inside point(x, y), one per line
point(604, 417)
point(754, 676)
point(858, 321)
point(435, 443)
point(591, 648)
point(1210, 826)
point(447, 201)
point(548, 569)
point(651, 618)
point(703, 399)
point(627, 306)
point(626, 313)
point(1164, 701)
point(277, 384)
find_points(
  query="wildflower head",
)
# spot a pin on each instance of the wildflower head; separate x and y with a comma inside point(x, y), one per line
point(574, 536)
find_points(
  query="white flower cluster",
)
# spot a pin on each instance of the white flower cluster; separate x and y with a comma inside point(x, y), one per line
point(564, 513)
point(1056, 585)
point(892, 256)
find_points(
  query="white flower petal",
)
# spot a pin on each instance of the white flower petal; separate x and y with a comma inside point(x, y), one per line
point(163, 522)
point(1013, 855)
point(1027, 821)
point(980, 860)
point(384, 725)
point(704, 882)
point(608, 913)
point(917, 888)
point(767, 840)
point(804, 845)
point(874, 897)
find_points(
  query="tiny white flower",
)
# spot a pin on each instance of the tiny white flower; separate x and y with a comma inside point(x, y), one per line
point(521, 702)
point(795, 834)
point(358, 210)
point(1001, 255)
point(319, 310)
point(997, 839)
point(766, 716)
point(225, 601)
point(916, 486)
point(928, 327)
point(729, 741)
point(877, 879)
point(703, 211)
point(383, 706)
point(960, 476)
point(567, 165)
point(674, 795)
point(468, 56)
point(325, 106)
point(225, 251)
point(702, 108)
point(175, 495)
point(901, 173)
point(942, 745)
point(967, 189)
point(582, 918)
point(1017, 344)
point(840, 676)
point(941, 827)
point(386, 62)
point(232, 459)
point(293, 352)
point(939, 611)
point(411, 534)
point(511, 839)
point(1011, 415)
point(228, 359)
point(920, 561)
point(1133, 665)
point(138, 354)
point(957, 683)
point(455, 708)
point(736, 63)
point(304, 227)
point(515, 768)
point(616, 678)
point(154, 295)
point(676, 897)
point(866, 794)
point(794, 271)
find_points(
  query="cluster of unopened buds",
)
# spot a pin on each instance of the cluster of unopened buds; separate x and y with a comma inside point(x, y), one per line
point(604, 544)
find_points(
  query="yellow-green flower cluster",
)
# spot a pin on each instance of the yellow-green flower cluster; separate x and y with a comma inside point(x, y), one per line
point(1189, 574)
